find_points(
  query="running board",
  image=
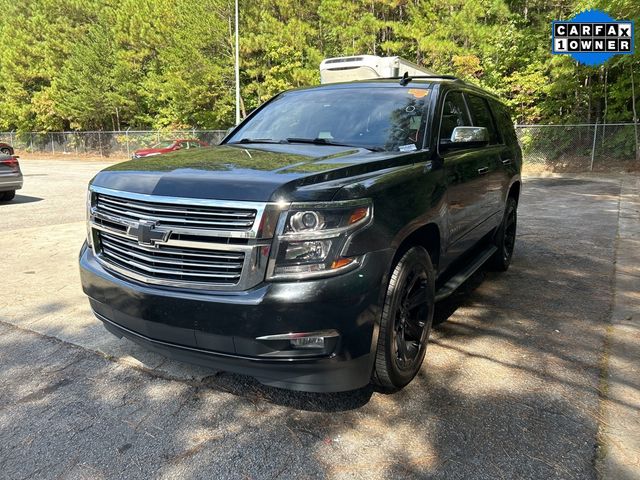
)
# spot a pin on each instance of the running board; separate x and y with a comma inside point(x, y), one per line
point(461, 277)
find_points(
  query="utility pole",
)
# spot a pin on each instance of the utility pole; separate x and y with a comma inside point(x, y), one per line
point(237, 69)
point(635, 114)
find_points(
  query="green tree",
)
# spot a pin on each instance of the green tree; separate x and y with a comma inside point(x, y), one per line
point(85, 64)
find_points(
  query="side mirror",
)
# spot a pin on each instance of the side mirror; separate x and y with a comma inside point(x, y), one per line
point(468, 137)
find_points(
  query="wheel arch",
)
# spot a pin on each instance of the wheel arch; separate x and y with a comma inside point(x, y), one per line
point(427, 236)
point(8, 147)
point(514, 189)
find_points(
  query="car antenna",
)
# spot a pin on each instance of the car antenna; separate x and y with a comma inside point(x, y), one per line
point(404, 81)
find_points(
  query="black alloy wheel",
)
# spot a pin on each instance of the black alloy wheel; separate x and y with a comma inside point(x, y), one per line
point(406, 320)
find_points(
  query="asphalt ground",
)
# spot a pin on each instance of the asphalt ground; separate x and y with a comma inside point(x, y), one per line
point(511, 387)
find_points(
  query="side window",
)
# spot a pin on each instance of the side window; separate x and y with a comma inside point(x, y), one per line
point(454, 114)
point(481, 116)
point(505, 123)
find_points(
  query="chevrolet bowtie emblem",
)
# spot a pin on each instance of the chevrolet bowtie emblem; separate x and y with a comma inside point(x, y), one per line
point(146, 233)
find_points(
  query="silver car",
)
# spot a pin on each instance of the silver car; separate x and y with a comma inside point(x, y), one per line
point(10, 177)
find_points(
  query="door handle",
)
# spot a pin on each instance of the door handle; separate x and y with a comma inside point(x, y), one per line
point(483, 170)
point(506, 161)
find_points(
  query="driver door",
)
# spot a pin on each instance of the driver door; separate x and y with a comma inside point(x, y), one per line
point(465, 177)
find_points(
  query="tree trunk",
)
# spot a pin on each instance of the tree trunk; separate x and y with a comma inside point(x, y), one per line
point(244, 111)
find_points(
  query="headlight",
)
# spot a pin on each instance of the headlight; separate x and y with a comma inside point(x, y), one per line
point(311, 238)
point(89, 204)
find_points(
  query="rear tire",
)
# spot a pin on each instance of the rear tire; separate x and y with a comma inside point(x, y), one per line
point(406, 320)
point(7, 196)
point(505, 238)
point(6, 151)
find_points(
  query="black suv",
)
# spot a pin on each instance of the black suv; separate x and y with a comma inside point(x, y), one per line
point(310, 247)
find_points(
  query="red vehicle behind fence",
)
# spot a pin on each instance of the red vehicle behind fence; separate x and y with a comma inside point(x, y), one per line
point(169, 146)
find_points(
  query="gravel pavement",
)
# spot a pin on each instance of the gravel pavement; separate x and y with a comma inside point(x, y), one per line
point(509, 389)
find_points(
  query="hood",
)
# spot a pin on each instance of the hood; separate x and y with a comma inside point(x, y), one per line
point(233, 172)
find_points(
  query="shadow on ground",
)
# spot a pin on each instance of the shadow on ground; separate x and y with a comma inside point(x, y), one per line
point(509, 388)
point(21, 199)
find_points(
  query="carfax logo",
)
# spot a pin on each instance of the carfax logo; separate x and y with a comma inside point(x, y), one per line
point(592, 37)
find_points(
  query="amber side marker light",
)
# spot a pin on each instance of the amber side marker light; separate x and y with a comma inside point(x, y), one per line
point(341, 262)
point(358, 214)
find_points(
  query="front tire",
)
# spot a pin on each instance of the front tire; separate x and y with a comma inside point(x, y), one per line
point(505, 238)
point(406, 320)
point(6, 150)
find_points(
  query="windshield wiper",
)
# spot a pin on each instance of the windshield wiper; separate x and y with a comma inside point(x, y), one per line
point(324, 141)
point(257, 140)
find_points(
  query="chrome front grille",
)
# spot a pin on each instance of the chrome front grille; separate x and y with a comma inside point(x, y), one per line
point(172, 263)
point(181, 242)
point(181, 216)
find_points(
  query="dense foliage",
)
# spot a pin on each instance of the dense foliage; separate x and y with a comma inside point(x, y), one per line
point(106, 64)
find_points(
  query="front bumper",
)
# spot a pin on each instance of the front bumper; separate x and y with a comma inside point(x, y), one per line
point(221, 329)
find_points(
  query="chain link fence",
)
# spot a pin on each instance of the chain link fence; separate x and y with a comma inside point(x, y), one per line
point(555, 147)
point(102, 144)
point(582, 147)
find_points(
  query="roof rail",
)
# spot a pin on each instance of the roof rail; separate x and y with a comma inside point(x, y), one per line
point(405, 79)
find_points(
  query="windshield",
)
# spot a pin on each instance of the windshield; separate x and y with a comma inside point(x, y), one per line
point(378, 118)
point(163, 145)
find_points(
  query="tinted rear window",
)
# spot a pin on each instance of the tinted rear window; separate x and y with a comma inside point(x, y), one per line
point(481, 115)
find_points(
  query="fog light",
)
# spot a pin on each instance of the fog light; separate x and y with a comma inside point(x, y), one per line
point(307, 342)
point(320, 342)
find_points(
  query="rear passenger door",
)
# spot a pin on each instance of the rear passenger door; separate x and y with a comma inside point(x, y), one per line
point(510, 155)
point(492, 155)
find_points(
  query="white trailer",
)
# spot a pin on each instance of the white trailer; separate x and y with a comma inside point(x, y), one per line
point(363, 67)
